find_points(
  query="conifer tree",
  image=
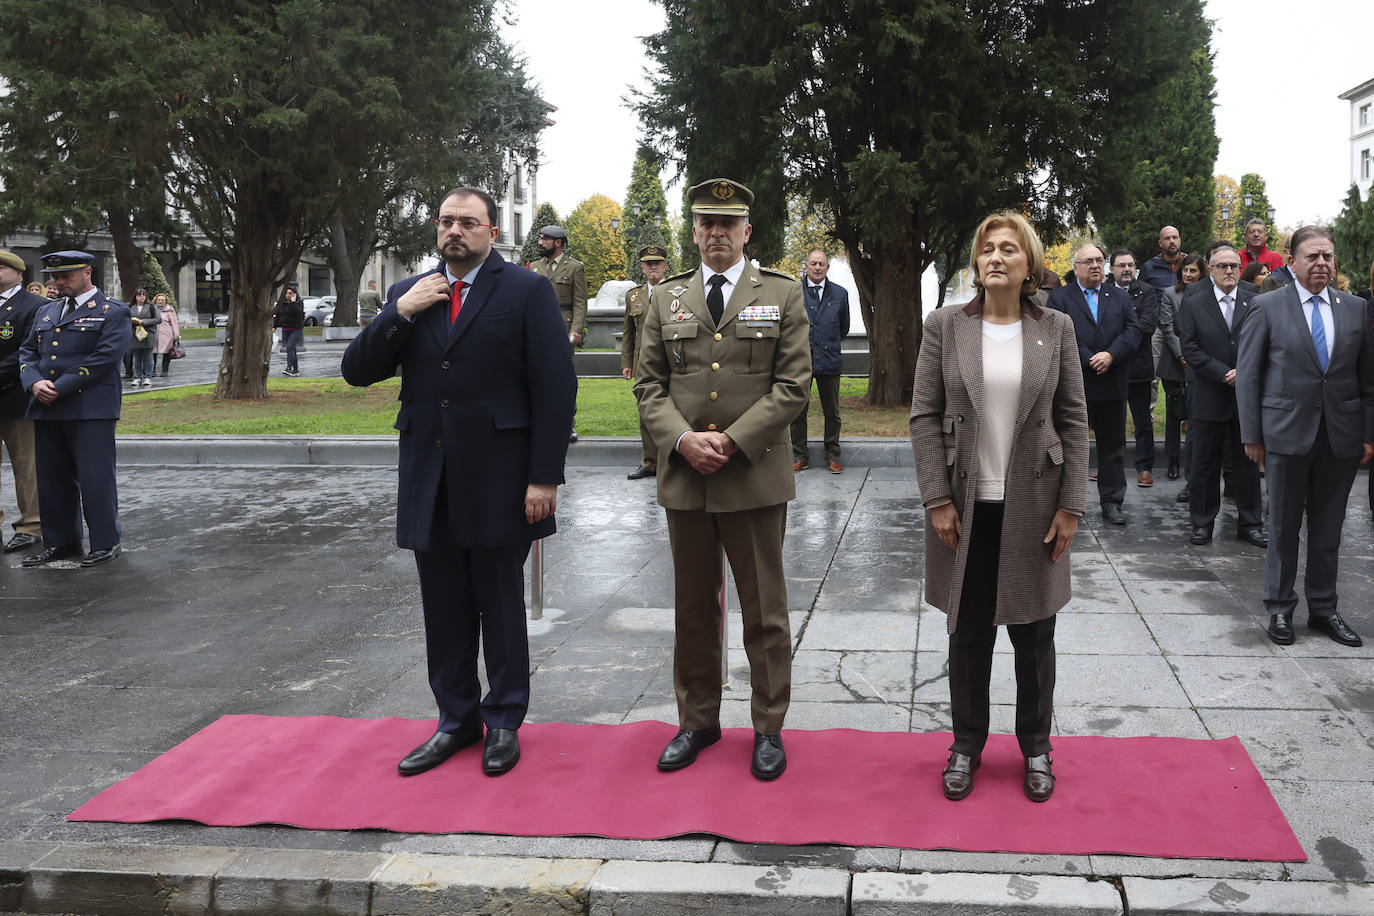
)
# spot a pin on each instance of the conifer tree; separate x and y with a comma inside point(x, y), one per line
point(644, 218)
point(546, 215)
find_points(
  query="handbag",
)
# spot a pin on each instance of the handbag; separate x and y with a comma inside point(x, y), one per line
point(178, 351)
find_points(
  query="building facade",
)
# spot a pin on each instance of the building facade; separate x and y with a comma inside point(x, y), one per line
point(1361, 100)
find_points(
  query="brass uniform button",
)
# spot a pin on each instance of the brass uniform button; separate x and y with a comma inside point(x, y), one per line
point(710, 426)
point(714, 395)
point(758, 333)
point(715, 367)
point(718, 335)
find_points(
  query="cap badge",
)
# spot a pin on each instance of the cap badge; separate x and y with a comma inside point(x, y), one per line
point(722, 190)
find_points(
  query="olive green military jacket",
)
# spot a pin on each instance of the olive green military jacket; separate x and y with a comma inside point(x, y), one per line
point(569, 279)
point(747, 377)
point(636, 307)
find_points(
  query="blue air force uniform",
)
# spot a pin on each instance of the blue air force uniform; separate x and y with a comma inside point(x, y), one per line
point(74, 436)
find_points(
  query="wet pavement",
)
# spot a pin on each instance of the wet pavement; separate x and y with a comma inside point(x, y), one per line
point(279, 590)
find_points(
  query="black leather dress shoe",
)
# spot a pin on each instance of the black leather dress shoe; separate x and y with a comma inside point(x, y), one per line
point(1039, 782)
point(19, 542)
point(103, 555)
point(1281, 630)
point(501, 752)
point(1200, 536)
point(48, 554)
point(1112, 514)
point(769, 758)
point(957, 779)
point(440, 747)
point(1335, 627)
point(640, 473)
point(1182, 496)
point(1254, 536)
point(1172, 473)
point(685, 746)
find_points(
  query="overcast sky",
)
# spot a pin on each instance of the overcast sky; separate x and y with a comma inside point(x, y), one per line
point(1277, 63)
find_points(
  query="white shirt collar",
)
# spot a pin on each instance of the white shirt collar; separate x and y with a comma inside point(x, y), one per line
point(1305, 295)
point(731, 273)
point(7, 293)
point(471, 275)
point(87, 296)
point(1216, 291)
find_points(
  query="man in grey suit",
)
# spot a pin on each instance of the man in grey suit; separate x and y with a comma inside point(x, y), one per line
point(1305, 391)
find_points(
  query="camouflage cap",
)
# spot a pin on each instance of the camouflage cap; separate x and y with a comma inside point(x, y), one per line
point(721, 197)
point(653, 253)
point(10, 259)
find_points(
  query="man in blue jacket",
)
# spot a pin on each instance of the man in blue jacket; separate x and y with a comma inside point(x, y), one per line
point(1105, 324)
point(827, 305)
point(487, 394)
point(70, 364)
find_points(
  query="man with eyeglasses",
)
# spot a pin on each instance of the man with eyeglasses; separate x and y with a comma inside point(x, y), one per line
point(487, 393)
point(1210, 319)
point(1306, 399)
point(1108, 335)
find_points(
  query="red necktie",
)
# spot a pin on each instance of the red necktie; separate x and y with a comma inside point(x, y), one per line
point(455, 301)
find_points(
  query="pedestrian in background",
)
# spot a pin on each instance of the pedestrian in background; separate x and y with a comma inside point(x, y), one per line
point(653, 262)
point(144, 318)
point(290, 317)
point(168, 330)
point(1171, 368)
point(140, 307)
point(38, 289)
point(999, 430)
point(827, 305)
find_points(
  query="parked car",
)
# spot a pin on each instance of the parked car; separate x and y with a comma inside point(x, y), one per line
point(318, 309)
point(221, 320)
point(365, 317)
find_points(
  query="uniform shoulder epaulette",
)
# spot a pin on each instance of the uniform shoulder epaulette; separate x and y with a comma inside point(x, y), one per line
point(777, 273)
point(682, 276)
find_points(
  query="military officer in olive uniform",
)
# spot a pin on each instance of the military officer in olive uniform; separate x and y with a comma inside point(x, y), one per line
point(70, 364)
point(724, 368)
point(653, 261)
point(18, 309)
point(569, 279)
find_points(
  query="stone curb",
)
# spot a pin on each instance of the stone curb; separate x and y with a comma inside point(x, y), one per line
point(1155, 897)
point(889, 894)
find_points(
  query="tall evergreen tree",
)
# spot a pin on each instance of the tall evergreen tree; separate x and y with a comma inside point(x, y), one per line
point(1354, 234)
point(1252, 184)
point(546, 215)
point(914, 121)
point(644, 219)
point(151, 277)
point(1171, 139)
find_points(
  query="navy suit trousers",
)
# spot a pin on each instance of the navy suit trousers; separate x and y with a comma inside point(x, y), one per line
point(76, 476)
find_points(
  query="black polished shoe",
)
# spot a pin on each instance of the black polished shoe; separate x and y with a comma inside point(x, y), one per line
point(440, 747)
point(1335, 627)
point(1254, 536)
point(48, 554)
point(1172, 473)
point(1182, 496)
point(103, 555)
point(501, 752)
point(957, 779)
point(19, 542)
point(1200, 536)
point(640, 473)
point(1039, 781)
point(1112, 514)
point(1281, 630)
point(769, 758)
point(685, 746)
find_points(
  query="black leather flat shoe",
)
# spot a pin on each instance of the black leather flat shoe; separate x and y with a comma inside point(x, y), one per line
point(1281, 630)
point(48, 554)
point(501, 752)
point(685, 746)
point(103, 555)
point(1335, 627)
point(1039, 782)
point(440, 747)
point(769, 758)
point(957, 779)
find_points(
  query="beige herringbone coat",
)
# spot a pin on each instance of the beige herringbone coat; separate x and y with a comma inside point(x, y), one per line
point(1048, 469)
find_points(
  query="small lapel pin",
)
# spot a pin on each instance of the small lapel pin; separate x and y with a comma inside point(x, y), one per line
point(1039, 343)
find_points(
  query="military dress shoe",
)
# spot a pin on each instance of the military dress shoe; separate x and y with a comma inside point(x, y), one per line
point(1039, 782)
point(800, 464)
point(835, 467)
point(769, 758)
point(640, 473)
point(501, 752)
point(1172, 473)
point(685, 746)
point(957, 779)
point(1200, 536)
point(103, 555)
point(1254, 536)
point(440, 747)
point(1112, 514)
point(1144, 479)
point(1335, 627)
point(20, 541)
point(1182, 496)
point(48, 554)
point(1280, 630)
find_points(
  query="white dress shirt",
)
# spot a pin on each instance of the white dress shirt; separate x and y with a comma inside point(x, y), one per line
point(1328, 320)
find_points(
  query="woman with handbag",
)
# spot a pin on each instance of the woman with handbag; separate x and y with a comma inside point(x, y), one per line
point(145, 318)
point(290, 317)
point(168, 329)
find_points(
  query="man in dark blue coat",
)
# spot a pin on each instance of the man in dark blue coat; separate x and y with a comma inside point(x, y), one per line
point(487, 395)
point(70, 364)
point(18, 309)
point(827, 305)
point(1105, 324)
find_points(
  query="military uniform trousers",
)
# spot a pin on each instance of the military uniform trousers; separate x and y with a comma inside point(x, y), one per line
point(17, 434)
point(76, 477)
point(474, 596)
point(752, 539)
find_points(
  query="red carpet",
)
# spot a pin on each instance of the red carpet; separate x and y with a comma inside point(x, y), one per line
point(1167, 797)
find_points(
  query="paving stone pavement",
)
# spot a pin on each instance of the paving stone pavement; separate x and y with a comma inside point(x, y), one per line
point(278, 589)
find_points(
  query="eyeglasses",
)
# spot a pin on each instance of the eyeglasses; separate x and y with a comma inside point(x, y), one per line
point(1226, 267)
point(1091, 261)
point(467, 223)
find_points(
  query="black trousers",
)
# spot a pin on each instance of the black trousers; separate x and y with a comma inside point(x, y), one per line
point(1107, 419)
point(75, 460)
point(828, 390)
point(1209, 441)
point(972, 642)
point(1174, 415)
point(1139, 395)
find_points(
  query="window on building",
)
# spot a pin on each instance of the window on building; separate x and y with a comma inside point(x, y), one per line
point(518, 227)
point(520, 190)
point(1364, 165)
point(500, 222)
point(318, 281)
point(1364, 115)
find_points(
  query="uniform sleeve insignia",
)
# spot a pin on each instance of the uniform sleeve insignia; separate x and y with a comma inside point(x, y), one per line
point(722, 190)
point(83, 371)
point(6, 332)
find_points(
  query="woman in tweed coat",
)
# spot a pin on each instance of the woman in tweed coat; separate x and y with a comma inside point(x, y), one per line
point(999, 433)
